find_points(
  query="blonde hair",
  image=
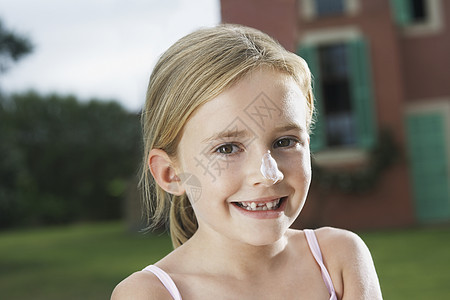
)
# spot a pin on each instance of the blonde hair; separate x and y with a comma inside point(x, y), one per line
point(196, 69)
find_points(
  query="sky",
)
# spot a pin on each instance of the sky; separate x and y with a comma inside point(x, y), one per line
point(102, 49)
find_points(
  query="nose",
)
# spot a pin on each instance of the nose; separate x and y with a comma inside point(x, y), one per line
point(269, 170)
point(262, 169)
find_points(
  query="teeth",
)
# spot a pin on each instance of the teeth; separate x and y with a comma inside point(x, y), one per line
point(252, 206)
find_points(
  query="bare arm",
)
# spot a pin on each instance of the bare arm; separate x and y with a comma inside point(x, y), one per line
point(360, 278)
point(350, 255)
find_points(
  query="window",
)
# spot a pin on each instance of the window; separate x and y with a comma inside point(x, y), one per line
point(344, 99)
point(316, 9)
point(418, 11)
point(407, 12)
point(418, 16)
point(335, 85)
point(329, 7)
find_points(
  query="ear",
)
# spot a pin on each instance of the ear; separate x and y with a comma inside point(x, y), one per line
point(161, 167)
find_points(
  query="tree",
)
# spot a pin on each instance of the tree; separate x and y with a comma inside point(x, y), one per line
point(62, 160)
point(12, 47)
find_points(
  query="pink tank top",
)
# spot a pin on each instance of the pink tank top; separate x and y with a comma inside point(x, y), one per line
point(313, 246)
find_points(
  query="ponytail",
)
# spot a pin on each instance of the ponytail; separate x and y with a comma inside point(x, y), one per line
point(183, 223)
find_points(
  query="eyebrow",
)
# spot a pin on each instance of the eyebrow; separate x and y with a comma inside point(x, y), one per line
point(223, 135)
point(289, 127)
point(227, 134)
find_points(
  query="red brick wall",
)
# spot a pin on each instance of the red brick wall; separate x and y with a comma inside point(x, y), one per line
point(427, 62)
point(387, 204)
point(277, 18)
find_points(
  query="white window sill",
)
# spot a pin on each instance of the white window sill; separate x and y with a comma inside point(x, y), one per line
point(341, 157)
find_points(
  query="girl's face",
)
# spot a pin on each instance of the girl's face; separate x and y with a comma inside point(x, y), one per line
point(221, 153)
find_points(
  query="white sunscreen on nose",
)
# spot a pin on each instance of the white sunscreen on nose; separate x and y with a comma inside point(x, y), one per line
point(269, 168)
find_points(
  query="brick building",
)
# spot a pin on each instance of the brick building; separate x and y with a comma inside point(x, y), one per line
point(382, 86)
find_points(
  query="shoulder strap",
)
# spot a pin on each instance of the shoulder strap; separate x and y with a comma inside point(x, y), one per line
point(315, 249)
point(165, 280)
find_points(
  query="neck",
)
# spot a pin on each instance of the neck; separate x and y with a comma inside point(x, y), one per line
point(236, 258)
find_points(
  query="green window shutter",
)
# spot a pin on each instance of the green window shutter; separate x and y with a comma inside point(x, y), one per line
point(402, 11)
point(310, 54)
point(426, 133)
point(361, 91)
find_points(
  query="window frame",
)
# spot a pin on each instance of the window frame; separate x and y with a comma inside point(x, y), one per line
point(346, 35)
point(401, 12)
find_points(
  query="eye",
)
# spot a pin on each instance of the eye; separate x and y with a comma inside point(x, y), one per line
point(227, 149)
point(285, 143)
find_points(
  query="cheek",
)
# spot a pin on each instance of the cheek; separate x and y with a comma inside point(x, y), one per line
point(298, 166)
point(213, 202)
point(217, 184)
point(306, 162)
point(208, 168)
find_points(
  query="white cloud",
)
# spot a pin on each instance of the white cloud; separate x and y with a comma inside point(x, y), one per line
point(98, 48)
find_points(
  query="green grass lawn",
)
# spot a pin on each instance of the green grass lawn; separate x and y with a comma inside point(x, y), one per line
point(87, 261)
point(412, 264)
point(76, 262)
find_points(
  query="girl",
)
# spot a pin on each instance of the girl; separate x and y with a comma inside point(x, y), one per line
point(226, 130)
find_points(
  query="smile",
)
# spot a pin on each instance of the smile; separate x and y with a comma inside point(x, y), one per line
point(260, 206)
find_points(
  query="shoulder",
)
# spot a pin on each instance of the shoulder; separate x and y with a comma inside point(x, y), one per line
point(344, 247)
point(347, 253)
point(338, 246)
point(140, 285)
point(340, 240)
